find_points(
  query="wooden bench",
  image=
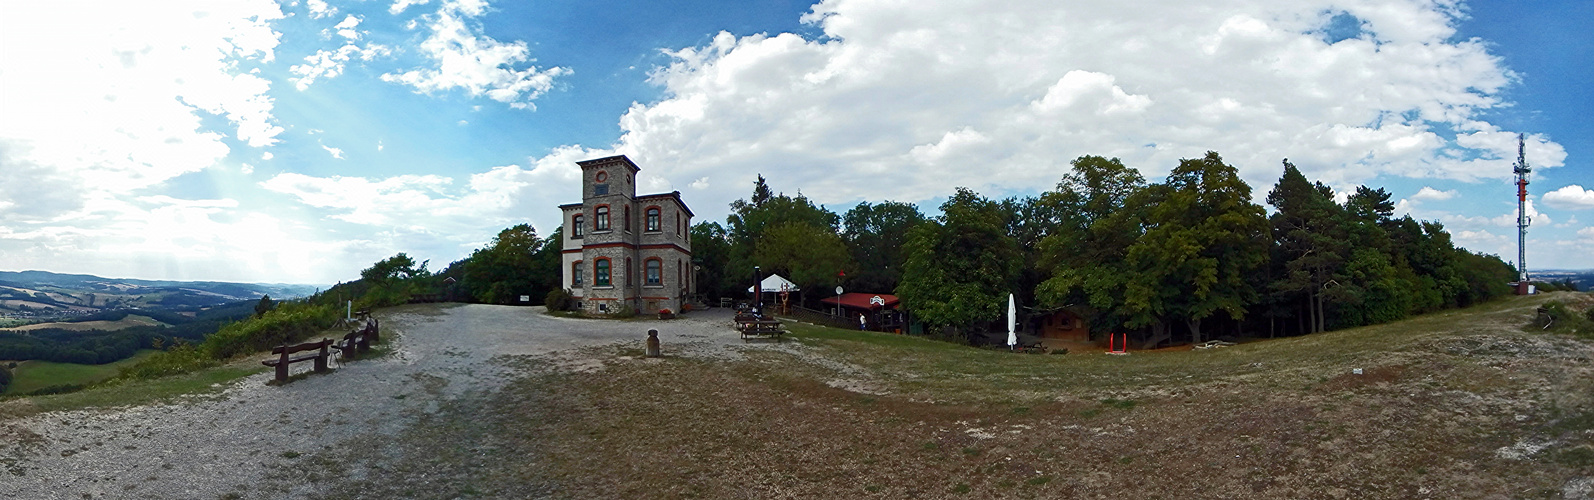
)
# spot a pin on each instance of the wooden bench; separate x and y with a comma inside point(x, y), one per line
point(761, 328)
point(319, 354)
point(358, 341)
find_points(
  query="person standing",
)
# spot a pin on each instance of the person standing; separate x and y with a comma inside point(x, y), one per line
point(863, 322)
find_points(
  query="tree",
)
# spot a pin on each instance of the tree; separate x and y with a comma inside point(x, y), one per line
point(748, 221)
point(1312, 242)
point(961, 265)
point(1104, 204)
point(5, 377)
point(1203, 242)
point(808, 255)
point(711, 249)
point(265, 305)
point(509, 267)
point(399, 266)
point(877, 236)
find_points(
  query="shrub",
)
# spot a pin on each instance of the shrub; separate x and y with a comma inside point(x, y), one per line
point(559, 299)
point(288, 323)
point(625, 312)
point(181, 358)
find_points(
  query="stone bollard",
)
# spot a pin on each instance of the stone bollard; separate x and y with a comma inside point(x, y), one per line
point(653, 344)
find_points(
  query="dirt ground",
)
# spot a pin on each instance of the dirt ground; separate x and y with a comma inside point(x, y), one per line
point(499, 402)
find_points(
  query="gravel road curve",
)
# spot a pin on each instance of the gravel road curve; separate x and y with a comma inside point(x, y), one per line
point(235, 444)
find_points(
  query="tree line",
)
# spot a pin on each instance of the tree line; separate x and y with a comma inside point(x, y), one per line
point(1190, 257)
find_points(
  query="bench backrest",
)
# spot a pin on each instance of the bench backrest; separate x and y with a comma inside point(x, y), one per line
point(307, 346)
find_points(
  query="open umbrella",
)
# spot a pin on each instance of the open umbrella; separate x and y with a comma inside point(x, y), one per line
point(1012, 337)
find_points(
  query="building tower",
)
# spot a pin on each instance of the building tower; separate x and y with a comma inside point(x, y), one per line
point(1523, 221)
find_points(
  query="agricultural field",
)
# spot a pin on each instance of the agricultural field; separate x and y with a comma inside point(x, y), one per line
point(34, 375)
point(130, 321)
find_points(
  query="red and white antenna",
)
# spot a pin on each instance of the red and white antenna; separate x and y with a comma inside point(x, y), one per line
point(1523, 221)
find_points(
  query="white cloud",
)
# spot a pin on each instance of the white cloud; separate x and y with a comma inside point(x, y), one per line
point(399, 5)
point(905, 103)
point(118, 103)
point(487, 202)
point(335, 152)
point(329, 63)
point(379, 145)
point(1573, 197)
point(246, 168)
point(1587, 232)
point(1535, 217)
point(463, 58)
point(346, 28)
point(1431, 194)
point(267, 155)
point(319, 8)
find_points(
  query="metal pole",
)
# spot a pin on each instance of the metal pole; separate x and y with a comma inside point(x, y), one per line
point(1523, 221)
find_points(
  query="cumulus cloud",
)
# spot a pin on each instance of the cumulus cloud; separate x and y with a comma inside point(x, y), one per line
point(1573, 197)
point(463, 58)
point(1001, 99)
point(482, 204)
point(335, 152)
point(346, 28)
point(399, 5)
point(319, 8)
point(330, 63)
point(1428, 193)
point(119, 102)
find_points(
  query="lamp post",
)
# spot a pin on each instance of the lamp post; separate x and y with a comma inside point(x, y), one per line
point(758, 293)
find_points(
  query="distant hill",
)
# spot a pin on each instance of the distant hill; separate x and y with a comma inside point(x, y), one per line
point(43, 295)
point(1584, 278)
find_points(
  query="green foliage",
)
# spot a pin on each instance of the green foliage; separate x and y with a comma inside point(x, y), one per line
point(180, 358)
point(264, 305)
point(289, 323)
point(962, 265)
point(515, 263)
point(807, 255)
point(559, 299)
point(5, 377)
point(399, 266)
point(750, 220)
point(1557, 316)
point(876, 237)
point(711, 249)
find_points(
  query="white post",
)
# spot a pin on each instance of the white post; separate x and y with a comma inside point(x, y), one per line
point(348, 312)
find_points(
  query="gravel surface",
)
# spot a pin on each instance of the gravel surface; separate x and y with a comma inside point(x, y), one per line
point(238, 444)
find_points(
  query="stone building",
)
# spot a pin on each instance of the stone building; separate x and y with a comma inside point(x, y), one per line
point(623, 250)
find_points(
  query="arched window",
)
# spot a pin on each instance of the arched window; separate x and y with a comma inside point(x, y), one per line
point(652, 218)
point(602, 224)
point(576, 228)
point(630, 272)
point(575, 274)
point(627, 217)
point(677, 224)
point(600, 275)
point(654, 270)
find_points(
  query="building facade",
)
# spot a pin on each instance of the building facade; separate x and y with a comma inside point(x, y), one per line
point(623, 250)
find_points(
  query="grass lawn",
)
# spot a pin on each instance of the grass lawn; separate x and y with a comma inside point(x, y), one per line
point(34, 375)
point(851, 414)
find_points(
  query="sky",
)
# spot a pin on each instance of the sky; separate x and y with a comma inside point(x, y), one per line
point(299, 141)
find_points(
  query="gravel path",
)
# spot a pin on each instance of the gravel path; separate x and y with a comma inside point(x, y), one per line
point(227, 446)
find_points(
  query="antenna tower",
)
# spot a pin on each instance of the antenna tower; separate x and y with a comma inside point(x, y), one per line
point(1523, 221)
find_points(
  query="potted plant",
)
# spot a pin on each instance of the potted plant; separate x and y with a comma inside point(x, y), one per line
point(666, 314)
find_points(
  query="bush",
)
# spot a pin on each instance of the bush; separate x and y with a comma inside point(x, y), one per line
point(288, 323)
point(559, 299)
point(181, 358)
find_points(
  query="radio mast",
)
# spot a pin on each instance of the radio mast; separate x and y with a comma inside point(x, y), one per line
point(1523, 221)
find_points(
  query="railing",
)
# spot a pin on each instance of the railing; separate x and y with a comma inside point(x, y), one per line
point(817, 317)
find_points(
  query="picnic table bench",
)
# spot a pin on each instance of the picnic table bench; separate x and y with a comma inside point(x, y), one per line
point(317, 352)
point(359, 340)
point(761, 327)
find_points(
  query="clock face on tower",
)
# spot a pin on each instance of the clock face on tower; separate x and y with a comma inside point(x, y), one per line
point(602, 176)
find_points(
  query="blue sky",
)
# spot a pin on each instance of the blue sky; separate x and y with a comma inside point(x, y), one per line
point(299, 141)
